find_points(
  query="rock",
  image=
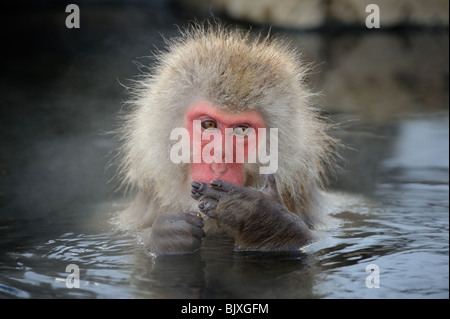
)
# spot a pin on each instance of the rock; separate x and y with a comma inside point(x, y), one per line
point(308, 14)
point(392, 13)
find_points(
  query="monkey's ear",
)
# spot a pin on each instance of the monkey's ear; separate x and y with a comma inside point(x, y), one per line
point(270, 185)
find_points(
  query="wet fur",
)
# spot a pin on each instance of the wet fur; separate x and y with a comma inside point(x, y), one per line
point(234, 72)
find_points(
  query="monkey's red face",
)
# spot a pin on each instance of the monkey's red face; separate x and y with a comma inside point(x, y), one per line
point(228, 125)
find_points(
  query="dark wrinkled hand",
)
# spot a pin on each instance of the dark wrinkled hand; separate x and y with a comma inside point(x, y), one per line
point(256, 218)
point(176, 233)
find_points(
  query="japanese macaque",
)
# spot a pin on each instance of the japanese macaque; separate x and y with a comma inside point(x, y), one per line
point(220, 80)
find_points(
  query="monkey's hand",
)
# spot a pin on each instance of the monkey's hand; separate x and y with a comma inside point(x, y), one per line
point(175, 233)
point(256, 218)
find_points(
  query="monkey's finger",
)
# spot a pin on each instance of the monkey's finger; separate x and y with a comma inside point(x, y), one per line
point(208, 206)
point(198, 186)
point(195, 220)
point(270, 186)
point(270, 183)
point(227, 187)
point(185, 227)
point(211, 192)
point(197, 190)
point(195, 194)
point(198, 233)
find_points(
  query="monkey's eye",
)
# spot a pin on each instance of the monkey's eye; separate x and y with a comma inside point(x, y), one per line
point(209, 125)
point(241, 130)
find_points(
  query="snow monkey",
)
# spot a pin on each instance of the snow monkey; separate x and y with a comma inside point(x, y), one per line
point(231, 87)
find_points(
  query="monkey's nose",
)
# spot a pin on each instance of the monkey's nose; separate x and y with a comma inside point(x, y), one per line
point(218, 168)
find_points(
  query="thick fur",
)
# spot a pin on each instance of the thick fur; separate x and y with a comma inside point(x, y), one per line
point(233, 72)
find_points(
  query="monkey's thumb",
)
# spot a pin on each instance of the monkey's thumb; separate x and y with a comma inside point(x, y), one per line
point(270, 184)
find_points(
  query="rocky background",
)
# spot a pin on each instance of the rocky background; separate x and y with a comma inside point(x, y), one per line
point(318, 13)
point(377, 73)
